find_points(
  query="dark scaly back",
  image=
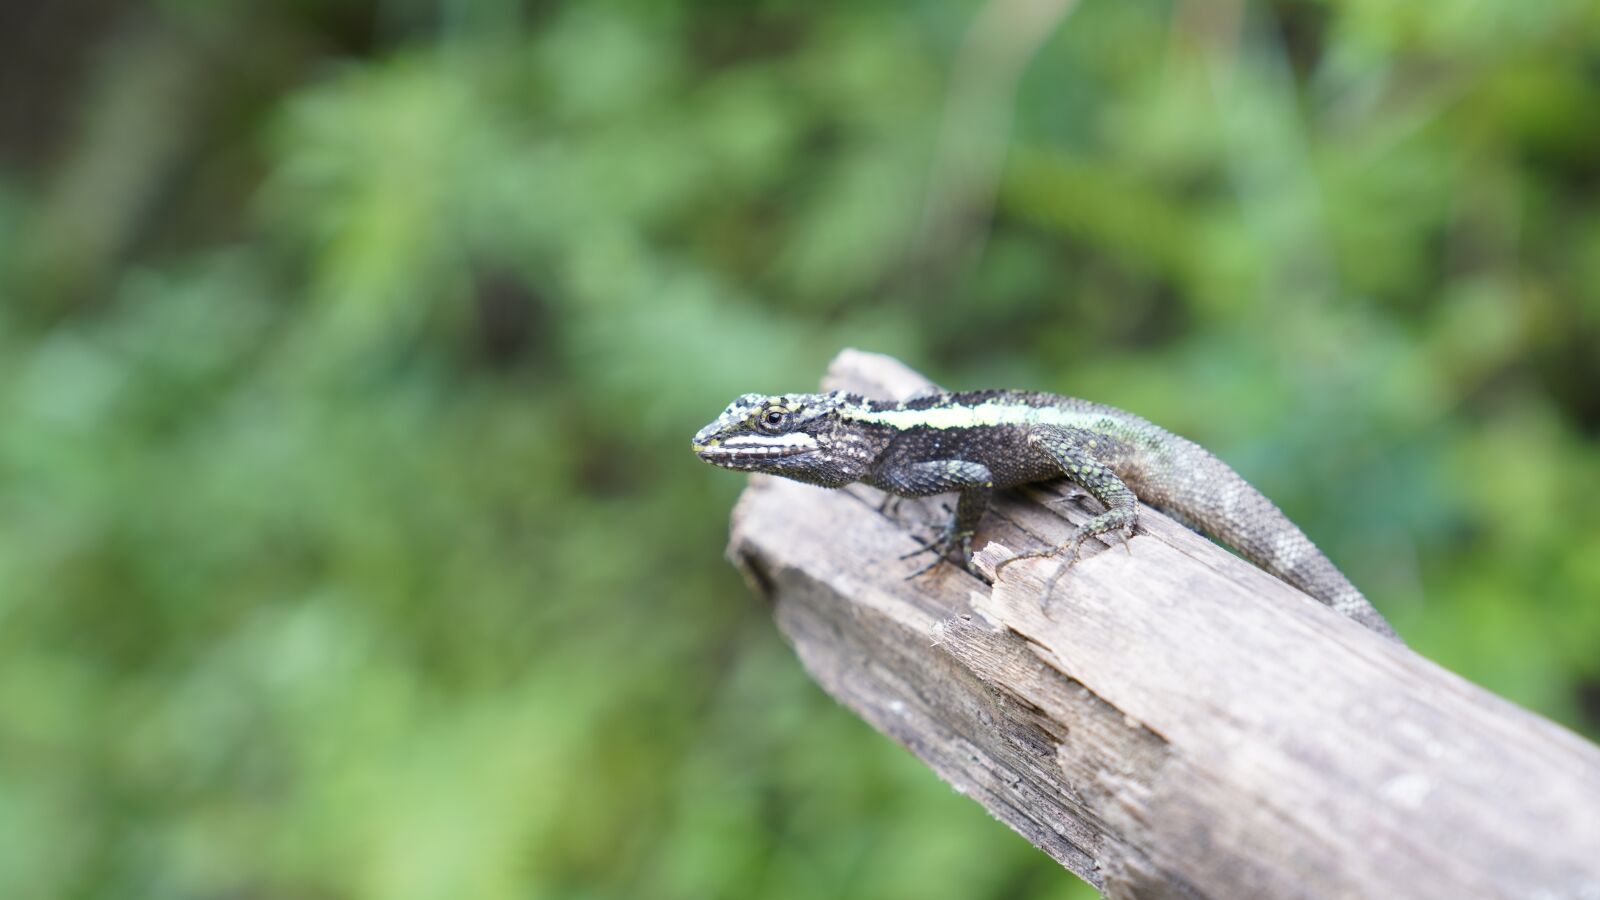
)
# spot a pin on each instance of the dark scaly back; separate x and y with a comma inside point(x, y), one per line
point(1180, 477)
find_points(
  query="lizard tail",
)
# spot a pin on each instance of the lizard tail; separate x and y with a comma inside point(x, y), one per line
point(1204, 490)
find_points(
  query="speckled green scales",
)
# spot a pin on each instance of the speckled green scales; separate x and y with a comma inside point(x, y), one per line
point(976, 442)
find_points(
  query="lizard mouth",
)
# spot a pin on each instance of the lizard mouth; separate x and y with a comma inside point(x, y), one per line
point(752, 450)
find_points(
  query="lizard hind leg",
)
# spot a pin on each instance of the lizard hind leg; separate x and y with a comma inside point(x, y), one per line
point(1067, 451)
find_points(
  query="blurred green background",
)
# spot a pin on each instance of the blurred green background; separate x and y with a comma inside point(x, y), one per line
point(350, 545)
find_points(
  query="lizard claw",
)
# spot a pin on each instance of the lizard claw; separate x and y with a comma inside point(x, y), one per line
point(931, 564)
point(923, 546)
point(946, 542)
point(1070, 548)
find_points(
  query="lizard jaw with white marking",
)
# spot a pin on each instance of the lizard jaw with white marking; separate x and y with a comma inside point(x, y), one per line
point(752, 451)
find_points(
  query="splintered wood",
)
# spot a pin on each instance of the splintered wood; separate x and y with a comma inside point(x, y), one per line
point(1171, 721)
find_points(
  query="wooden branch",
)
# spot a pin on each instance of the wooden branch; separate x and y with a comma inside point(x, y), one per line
point(1175, 722)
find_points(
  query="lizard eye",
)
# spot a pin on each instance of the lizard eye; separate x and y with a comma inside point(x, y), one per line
point(772, 419)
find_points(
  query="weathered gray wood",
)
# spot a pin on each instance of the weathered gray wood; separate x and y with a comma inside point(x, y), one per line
point(1174, 722)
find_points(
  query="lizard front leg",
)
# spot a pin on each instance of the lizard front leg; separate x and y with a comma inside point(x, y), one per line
point(924, 479)
point(1066, 449)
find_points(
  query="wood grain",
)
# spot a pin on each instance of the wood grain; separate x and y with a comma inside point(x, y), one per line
point(1172, 721)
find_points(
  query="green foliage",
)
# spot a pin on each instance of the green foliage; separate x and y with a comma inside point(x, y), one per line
point(349, 545)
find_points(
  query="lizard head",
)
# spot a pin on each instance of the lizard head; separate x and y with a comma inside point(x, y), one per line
point(798, 436)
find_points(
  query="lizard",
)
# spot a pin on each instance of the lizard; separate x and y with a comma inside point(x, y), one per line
point(977, 442)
